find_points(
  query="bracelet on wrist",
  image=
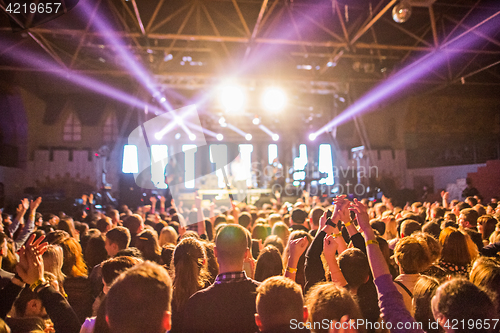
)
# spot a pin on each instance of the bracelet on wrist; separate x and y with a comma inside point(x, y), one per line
point(372, 241)
point(347, 224)
point(291, 270)
point(337, 235)
point(37, 284)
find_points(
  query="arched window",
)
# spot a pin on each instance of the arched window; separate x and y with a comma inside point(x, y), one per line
point(72, 128)
point(110, 129)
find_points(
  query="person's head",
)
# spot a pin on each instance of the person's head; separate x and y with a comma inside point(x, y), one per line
point(114, 215)
point(279, 301)
point(455, 247)
point(67, 224)
point(423, 291)
point(298, 216)
point(355, 268)
point(245, 220)
point(379, 226)
point(485, 273)
point(274, 218)
point(113, 267)
point(330, 302)
point(147, 243)
point(437, 212)
point(168, 235)
point(95, 251)
point(268, 264)
point(260, 231)
point(104, 224)
point(412, 255)
point(275, 241)
point(53, 261)
point(449, 216)
point(134, 223)
point(432, 228)
point(458, 208)
point(231, 247)
point(190, 266)
point(117, 239)
point(73, 263)
point(460, 300)
point(432, 243)
point(280, 229)
point(408, 227)
point(468, 218)
point(314, 217)
point(486, 225)
point(471, 201)
point(139, 300)
point(29, 304)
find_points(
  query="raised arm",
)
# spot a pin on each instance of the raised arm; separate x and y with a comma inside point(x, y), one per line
point(390, 300)
point(330, 247)
point(29, 226)
point(296, 248)
point(19, 219)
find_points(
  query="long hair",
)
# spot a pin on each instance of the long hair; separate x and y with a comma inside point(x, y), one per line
point(424, 290)
point(147, 243)
point(73, 265)
point(191, 274)
point(268, 264)
point(53, 262)
point(456, 249)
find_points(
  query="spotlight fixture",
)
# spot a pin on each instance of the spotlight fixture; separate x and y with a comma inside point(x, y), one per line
point(248, 136)
point(222, 120)
point(312, 136)
point(158, 136)
point(273, 99)
point(275, 137)
point(256, 120)
point(232, 98)
point(177, 136)
point(401, 12)
point(192, 137)
point(219, 137)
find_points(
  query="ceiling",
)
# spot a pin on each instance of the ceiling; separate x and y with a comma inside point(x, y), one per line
point(318, 46)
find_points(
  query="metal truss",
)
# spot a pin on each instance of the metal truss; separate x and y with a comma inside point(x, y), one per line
point(318, 46)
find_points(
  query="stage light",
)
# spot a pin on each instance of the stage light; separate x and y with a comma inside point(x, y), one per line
point(274, 99)
point(219, 137)
point(256, 120)
point(232, 98)
point(177, 136)
point(248, 136)
point(312, 136)
point(275, 137)
point(192, 137)
point(222, 121)
point(401, 12)
point(158, 136)
point(163, 100)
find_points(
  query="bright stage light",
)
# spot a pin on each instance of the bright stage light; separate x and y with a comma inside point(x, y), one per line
point(275, 137)
point(222, 120)
point(401, 12)
point(274, 99)
point(256, 120)
point(177, 136)
point(158, 136)
point(312, 136)
point(163, 100)
point(219, 137)
point(232, 98)
point(248, 136)
point(192, 137)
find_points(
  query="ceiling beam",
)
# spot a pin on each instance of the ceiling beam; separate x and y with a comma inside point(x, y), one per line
point(372, 22)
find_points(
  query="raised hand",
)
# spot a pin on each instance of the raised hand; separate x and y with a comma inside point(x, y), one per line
point(153, 200)
point(30, 267)
point(91, 198)
point(361, 215)
point(25, 204)
point(34, 204)
point(162, 199)
point(297, 247)
point(342, 208)
point(330, 247)
point(197, 201)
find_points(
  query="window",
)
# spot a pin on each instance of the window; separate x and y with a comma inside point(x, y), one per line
point(72, 128)
point(110, 129)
